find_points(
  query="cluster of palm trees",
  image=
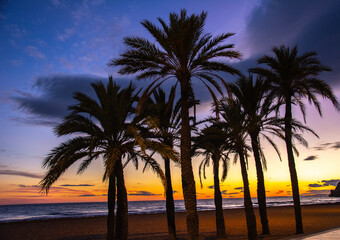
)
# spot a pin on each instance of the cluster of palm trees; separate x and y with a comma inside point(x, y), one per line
point(125, 124)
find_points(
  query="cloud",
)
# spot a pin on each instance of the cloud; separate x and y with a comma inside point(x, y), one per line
point(211, 187)
point(66, 191)
point(279, 192)
point(15, 30)
point(55, 94)
point(324, 183)
point(311, 158)
point(143, 193)
point(336, 146)
point(308, 24)
point(238, 188)
point(332, 182)
point(66, 64)
point(313, 192)
point(314, 185)
point(55, 3)
point(326, 146)
point(233, 193)
point(20, 173)
point(16, 63)
point(77, 185)
point(224, 192)
point(68, 32)
point(34, 52)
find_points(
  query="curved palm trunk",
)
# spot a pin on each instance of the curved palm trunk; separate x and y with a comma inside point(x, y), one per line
point(261, 190)
point(220, 226)
point(248, 205)
point(170, 205)
point(122, 205)
point(292, 169)
point(111, 201)
point(188, 182)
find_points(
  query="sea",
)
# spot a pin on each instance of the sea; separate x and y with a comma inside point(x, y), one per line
point(25, 212)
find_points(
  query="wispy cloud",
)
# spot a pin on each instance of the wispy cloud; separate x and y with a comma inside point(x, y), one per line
point(232, 193)
point(55, 3)
point(35, 189)
point(68, 32)
point(15, 30)
point(238, 188)
point(143, 193)
point(20, 173)
point(34, 52)
point(16, 62)
point(326, 146)
point(315, 185)
point(77, 185)
point(314, 192)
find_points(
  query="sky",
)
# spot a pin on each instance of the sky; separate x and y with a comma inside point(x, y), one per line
point(50, 49)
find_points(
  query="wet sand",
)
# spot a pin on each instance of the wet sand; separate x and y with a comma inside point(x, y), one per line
point(316, 218)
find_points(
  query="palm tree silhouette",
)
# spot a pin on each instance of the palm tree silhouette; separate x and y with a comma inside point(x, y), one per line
point(213, 141)
point(252, 96)
point(102, 129)
point(166, 113)
point(182, 52)
point(233, 121)
point(294, 77)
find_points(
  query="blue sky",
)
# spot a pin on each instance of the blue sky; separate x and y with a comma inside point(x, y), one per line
point(49, 49)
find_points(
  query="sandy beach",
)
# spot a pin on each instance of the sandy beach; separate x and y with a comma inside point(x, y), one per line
point(153, 226)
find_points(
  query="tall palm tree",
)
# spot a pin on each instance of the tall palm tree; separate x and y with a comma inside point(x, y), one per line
point(294, 77)
point(213, 141)
point(101, 129)
point(233, 120)
point(166, 113)
point(182, 52)
point(252, 97)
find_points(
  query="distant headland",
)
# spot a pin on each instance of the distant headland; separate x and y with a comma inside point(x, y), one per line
point(336, 192)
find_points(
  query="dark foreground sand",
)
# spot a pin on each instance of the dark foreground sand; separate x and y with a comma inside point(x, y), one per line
point(153, 226)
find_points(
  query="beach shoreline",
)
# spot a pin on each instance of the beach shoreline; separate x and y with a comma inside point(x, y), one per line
point(316, 218)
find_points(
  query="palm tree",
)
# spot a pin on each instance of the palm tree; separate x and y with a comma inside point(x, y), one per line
point(182, 52)
point(166, 114)
point(233, 121)
point(212, 140)
point(101, 129)
point(252, 97)
point(294, 77)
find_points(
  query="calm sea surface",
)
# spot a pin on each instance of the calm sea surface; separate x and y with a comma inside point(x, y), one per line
point(63, 210)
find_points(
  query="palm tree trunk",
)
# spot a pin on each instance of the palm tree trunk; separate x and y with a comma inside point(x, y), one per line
point(261, 190)
point(188, 181)
point(292, 169)
point(122, 205)
point(220, 226)
point(111, 201)
point(170, 205)
point(248, 205)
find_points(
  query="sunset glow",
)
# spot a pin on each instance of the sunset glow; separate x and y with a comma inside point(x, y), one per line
point(55, 48)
